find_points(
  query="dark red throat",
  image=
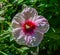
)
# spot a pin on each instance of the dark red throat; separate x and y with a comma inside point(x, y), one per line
point(28, 27)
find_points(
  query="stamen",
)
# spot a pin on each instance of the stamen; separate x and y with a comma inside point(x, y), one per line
point(27, 26)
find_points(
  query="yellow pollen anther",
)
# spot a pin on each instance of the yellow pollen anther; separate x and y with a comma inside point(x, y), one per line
point(27, 26)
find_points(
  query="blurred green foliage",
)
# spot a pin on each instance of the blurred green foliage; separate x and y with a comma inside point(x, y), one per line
point(48, 8)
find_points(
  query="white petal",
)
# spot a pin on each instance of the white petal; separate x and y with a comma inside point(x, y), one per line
point(20, 39)
point(29, 12)
point(15, 24)
point(42, 24)
point(17, 20)
point(16, 29)
point(16, 32)
point(27, 39)
point(34, 40)
point(19, 17)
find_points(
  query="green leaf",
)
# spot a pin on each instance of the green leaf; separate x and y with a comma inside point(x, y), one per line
point(19, 1)
point(1, 12)
point(2, 53)
point(33, 0)
point(23, 49)
point(54, 33)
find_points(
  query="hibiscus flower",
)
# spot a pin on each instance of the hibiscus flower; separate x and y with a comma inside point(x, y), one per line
point(28, 27)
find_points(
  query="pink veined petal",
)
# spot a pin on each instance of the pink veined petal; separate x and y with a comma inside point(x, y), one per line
point(15, 24)
point(34, 40)
point(20, 39)
point(18, 20)
point(16, 32)
point(29, 13)
point(34, 18)
point(42, 24)
point(27, 39)
point(19, 17)
point(16, 29)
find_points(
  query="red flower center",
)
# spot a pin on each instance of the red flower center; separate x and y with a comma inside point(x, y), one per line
point(28, 27)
